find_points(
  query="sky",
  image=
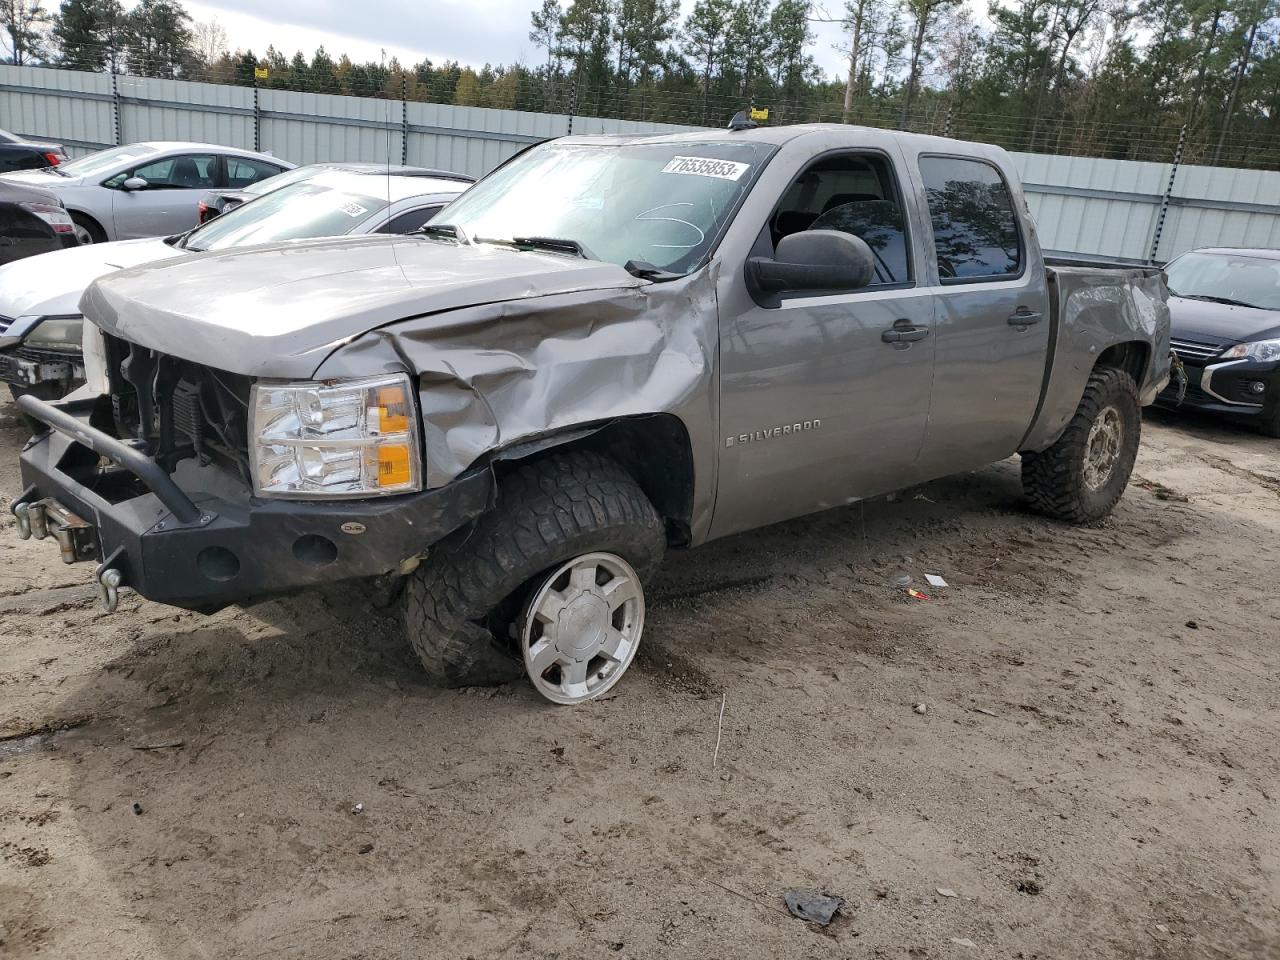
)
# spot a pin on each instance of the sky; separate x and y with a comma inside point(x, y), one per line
point(471, 32)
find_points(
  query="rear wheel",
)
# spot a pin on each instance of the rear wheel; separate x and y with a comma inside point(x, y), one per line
point(551, 576)
point(1083, 475)
point(88, 230)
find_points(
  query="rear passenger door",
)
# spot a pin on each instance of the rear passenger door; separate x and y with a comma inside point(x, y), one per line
point(991, 314)
point(822, 401)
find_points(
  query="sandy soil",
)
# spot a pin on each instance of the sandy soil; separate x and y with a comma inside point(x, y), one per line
point(1097, 774)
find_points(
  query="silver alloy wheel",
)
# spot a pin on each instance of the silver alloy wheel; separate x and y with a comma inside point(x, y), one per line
point(1102, 447)
point(83, 235)
point(581, 627)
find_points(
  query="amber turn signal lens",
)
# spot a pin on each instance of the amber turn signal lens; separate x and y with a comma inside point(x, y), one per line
point(393, 410)
point(394, 466)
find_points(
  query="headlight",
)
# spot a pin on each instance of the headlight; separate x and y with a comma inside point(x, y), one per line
point(353, 438)
point(56, 333)
point(1263, 350)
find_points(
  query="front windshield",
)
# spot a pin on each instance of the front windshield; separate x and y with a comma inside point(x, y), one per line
point(105, 161)
point(1226, 277)
point(295, 212)
point(664, 203)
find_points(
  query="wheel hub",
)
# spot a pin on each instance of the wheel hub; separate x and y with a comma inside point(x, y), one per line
point(581, 627)
point(1102, 447)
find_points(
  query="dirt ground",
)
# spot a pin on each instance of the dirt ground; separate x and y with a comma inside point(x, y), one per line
point(1097, 773)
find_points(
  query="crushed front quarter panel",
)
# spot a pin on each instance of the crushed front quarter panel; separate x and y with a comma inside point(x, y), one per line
point(497, 374)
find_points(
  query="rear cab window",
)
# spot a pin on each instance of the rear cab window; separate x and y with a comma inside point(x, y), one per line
point(975, 227)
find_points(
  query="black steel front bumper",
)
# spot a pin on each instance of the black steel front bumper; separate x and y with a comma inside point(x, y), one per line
point(106, 501)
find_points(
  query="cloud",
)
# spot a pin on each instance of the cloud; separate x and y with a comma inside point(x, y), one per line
point(473, 32)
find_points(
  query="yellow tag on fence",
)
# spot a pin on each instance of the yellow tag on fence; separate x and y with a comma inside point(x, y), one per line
point(759, 113)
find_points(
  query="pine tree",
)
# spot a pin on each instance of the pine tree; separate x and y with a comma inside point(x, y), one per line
point(159, 39)
point(25, 23)
point(82, 31)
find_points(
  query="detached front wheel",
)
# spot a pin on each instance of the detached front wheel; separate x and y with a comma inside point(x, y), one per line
point(1084, 474)
point(549, 582)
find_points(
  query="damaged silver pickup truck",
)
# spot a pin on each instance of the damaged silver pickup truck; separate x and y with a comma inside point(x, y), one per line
point(607, 348)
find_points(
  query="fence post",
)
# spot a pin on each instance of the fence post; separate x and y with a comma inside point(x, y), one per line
point(115, 106)
point(404, 121)
point(1168, 192)
point(257, 118)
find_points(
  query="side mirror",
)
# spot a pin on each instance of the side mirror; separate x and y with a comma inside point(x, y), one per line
point(134, 183)
point(815, 260)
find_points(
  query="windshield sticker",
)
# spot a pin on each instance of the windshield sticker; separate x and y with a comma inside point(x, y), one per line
point(707, 167)
point(353, 209)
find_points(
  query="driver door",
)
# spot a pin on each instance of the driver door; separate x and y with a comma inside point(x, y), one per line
point(167, 204)
point(821, 404)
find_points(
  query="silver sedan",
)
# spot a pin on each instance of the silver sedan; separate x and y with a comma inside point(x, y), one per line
point(147, 189)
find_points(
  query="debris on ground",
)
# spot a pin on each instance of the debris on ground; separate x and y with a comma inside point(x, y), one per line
point(984, 711)
point(947, 892)
point(167, 745)
point(934, 580)
point(915, 594)
point(367, 848)
point(137, 809)
point(920, 708)
point(963, 942)
point(358, 809)
point(814, 907)
point(902, 581)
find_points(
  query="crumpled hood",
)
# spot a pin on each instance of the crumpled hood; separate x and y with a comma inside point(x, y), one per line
point(51, 284)
point(1193, 319)
point(278, 311)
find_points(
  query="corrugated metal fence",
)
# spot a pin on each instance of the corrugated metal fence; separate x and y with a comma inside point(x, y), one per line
point(1108, 209)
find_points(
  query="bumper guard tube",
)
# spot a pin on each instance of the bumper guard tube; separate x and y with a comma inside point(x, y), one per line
point(202, 550)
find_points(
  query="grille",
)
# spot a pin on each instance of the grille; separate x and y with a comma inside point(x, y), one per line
point(177, 408)
point(1196, 349)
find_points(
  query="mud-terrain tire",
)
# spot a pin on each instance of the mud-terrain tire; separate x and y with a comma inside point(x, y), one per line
point(1083, 475)
point(459, 605)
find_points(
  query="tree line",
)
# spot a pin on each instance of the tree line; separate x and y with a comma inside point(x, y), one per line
point(1113, 78)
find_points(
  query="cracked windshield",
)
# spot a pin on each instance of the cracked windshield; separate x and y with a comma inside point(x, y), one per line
point(664, 204)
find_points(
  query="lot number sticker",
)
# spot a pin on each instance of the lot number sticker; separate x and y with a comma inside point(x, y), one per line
point(707, 167)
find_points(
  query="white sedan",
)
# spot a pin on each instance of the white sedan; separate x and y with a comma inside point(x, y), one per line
point(40, 323)
point(147, 189)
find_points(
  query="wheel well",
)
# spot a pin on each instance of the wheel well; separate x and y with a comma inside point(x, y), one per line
point(90, 222)
point(654, 449)
point(1131, 357)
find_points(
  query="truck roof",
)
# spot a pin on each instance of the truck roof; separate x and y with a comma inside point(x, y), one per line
point(840, 133)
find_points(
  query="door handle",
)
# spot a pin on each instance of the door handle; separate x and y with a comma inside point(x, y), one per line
point(903, 332)
point(1023, 317)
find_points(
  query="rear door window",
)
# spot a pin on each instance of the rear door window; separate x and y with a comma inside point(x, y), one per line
point(411, 220)
point(241, 172)
point(975, 229)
